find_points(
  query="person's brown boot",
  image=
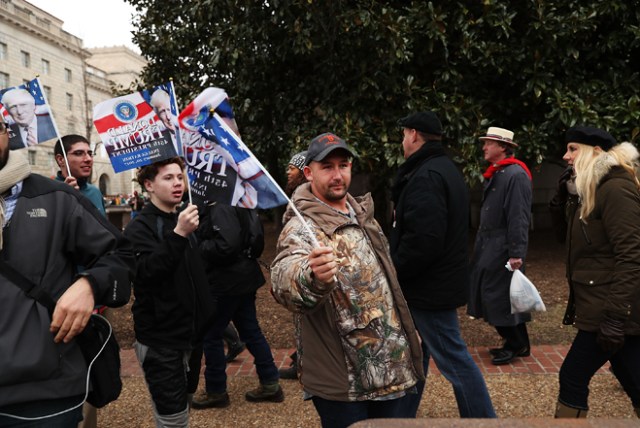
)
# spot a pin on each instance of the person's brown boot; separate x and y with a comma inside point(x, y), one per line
point(207, 400)
point(266, 392)
point(564, 411)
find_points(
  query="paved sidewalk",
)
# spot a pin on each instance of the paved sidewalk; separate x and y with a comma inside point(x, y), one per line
point(544, 359)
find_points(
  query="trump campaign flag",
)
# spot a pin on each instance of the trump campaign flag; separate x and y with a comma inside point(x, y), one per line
point(221, 167)
point(25, 110)
point(139, 129)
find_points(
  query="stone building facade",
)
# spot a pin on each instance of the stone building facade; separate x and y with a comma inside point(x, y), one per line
point(74, 80)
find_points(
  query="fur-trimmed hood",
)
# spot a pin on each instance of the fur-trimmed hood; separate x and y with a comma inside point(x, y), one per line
point(605, 161)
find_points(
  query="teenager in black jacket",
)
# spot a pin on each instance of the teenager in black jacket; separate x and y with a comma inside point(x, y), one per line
point(171, 292)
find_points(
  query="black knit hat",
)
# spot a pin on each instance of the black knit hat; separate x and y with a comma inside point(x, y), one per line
point(590, 136)
point(298, 160)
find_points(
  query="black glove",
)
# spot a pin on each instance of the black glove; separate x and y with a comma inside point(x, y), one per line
point(558, 203)
point(610, 335)
point(561, 195)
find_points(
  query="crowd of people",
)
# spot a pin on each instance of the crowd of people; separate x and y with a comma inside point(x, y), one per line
point(369, 312)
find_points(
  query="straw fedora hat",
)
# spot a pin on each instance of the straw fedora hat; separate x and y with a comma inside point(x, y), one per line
point(501, 135)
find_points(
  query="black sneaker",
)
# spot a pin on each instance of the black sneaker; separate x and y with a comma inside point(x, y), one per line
point(208, 400)
point(289, 373)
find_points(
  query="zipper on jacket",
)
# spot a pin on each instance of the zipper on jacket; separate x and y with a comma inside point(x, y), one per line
point(584, 232)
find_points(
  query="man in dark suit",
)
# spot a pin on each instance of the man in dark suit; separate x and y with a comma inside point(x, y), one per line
point(29, 128)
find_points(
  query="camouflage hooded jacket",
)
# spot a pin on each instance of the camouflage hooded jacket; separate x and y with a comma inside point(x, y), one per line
point(356, 339)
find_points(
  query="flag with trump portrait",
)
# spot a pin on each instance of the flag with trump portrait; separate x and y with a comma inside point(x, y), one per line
point(220, 166)
point(139, 128)
point(26, 112)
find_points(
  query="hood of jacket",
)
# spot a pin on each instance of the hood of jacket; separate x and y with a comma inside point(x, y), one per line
point(305, 201)
point(606, 161)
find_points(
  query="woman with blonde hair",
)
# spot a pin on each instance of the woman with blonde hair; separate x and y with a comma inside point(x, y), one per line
point(603, 268)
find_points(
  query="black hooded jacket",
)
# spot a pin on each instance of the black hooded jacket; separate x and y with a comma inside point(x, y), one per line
point(429, 234)
point(52, 231)
point(172, 299)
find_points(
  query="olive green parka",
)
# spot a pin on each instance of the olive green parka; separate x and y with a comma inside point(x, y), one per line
point(603, 265)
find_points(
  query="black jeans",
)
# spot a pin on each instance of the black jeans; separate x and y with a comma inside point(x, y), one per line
point(165, 371)
point(585, 358)
point(40, 408)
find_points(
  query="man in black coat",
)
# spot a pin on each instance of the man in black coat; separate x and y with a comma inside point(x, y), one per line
point(47, 231)
point(429, 249)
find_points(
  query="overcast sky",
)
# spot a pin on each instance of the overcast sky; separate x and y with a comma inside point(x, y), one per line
point(110, 22)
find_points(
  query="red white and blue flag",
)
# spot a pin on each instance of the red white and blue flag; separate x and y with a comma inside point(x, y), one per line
point(139, 128)
point(221, 167)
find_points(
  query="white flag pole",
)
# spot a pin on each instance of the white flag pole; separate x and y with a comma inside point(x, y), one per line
point(178, 136)
point(290, 203)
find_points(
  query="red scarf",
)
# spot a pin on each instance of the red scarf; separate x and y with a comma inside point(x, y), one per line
point(504, 162)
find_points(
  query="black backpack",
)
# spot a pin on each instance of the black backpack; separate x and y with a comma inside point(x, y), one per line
point(254, 232)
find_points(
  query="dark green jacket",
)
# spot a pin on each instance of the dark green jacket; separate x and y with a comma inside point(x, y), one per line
point(604, 256)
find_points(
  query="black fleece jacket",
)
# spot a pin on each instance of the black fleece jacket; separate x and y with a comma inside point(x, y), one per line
point(169, 281)
point(429, 234)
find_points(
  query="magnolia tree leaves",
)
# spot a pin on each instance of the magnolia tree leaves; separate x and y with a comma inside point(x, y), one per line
point(297, 68)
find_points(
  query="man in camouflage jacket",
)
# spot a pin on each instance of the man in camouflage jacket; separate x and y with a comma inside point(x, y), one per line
point(358, 350)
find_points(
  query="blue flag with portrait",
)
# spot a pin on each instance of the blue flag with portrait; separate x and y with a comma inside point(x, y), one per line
point(221, 167)
point(27, 114)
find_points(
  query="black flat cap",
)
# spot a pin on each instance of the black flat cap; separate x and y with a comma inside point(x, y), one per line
point(590, 136)
point(424, 121)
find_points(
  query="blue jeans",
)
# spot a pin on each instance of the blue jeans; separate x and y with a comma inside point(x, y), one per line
point(441, 339)
point(585, 358)
point(339, 414)
point(242, 311)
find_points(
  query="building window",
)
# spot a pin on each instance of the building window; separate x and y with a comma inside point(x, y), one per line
point(45, 66)
point(47, 93)
point(32, 156)
point(53, 165)
point(69, 102)
point(4, 80)
point(26, 59)
point(67, 75)
point(103, 184)
point(3, 51)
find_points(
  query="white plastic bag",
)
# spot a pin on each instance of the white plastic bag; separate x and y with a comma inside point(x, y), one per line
point(524, 295)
